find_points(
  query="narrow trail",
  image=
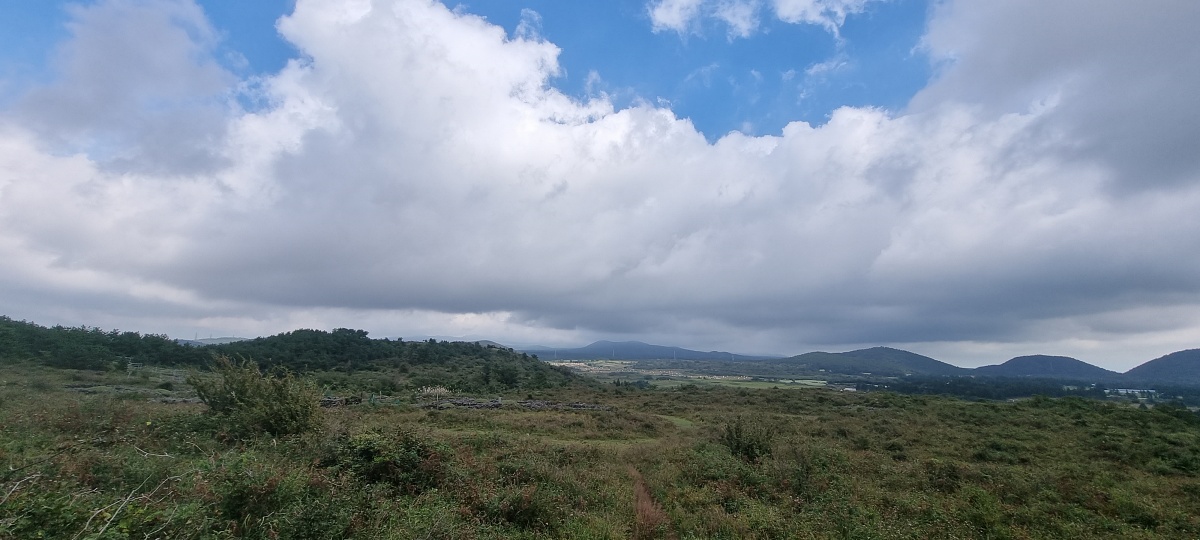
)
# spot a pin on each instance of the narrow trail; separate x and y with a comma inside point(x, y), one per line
point(649, 520)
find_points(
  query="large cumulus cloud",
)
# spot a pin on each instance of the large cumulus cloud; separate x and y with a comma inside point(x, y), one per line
point(416, 170)
point(1121, 83)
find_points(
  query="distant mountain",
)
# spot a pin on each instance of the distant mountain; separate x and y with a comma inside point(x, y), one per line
point(882, 361)
point(1049, 367)
point(634, 350)
point(221, 340)
point(490, 343)
point(910, 362)
point(535, 349)
point(1177, 368)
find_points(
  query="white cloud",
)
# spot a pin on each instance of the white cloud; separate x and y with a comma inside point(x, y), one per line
point(1123, 86)
point(674, 15)
point(703, 74)
point(149, 108)
point(832, 65)
point(530, 27)
point(417, 170)
point(741, 17)
point(828, 13)
point(684, 16)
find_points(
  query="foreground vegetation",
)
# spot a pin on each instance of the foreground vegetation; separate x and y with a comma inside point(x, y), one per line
point(686, 462)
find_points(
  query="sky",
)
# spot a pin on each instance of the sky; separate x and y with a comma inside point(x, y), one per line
point(967, 180)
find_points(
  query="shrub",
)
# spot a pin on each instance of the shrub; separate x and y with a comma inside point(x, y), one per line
point(524, 506)
point(406, 460)
point(40, 384)
point(746, 440)
point(257, 498)
point(254, 402)
point(984, 512)
point(944, 476)
point(809, 471)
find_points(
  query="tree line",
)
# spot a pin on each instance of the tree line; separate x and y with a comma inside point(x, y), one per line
point(342, 357)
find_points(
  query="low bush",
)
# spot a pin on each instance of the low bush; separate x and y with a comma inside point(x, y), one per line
point(405, 460)
point(253, 402)
point(747, 440)
point(525, 506)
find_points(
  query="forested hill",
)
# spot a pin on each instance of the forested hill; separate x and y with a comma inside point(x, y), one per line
point(880, 361)
point(1050, 367)
point(91, 348)
point(1182, 367)
point(462, 366)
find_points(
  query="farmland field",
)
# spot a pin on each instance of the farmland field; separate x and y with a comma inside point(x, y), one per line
point(655, 375)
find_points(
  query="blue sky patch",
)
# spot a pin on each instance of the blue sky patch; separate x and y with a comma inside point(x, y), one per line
point(782, 72)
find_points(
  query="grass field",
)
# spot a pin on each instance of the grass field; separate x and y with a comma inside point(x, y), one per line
point(633, 371)
point(736, 383)
point(687, 462)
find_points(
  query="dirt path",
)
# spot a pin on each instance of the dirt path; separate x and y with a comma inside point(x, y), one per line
point(649, 519)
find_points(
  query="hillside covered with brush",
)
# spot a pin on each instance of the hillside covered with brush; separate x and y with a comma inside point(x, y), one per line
point(341, 359)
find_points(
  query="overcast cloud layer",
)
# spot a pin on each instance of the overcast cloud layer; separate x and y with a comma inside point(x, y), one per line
point(417, 173)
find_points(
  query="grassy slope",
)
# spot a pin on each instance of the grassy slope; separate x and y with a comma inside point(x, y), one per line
point(840, 465)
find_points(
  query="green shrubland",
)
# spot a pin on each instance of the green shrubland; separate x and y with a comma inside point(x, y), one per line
point(243, 453)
